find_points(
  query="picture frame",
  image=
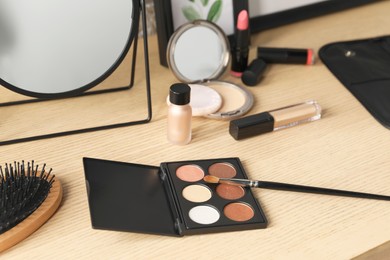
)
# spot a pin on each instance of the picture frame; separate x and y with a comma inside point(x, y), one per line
point(264, 14)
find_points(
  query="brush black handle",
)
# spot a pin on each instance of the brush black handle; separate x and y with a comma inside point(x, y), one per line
point(317, 190)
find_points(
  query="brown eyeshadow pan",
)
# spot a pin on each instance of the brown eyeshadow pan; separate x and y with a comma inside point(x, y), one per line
point(230, 192)
point(238, 211)
point(222, 170)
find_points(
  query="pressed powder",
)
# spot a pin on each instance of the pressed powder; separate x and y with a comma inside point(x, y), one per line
point(236, 101)
point(219, 100)
point(232, 97)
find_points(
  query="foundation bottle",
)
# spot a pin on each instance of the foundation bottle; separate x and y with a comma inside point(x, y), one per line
point(179, 114)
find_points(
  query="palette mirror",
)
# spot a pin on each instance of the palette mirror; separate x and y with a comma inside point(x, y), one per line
point(58, 48)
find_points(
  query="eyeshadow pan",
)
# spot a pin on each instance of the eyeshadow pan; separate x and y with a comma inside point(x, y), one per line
point(230, 192)
point(204, 214)
point(238, 211)
point(196, 193)
point(222, 170)
point(190, 173)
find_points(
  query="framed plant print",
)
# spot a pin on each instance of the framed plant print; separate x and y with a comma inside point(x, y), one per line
point(264, 14)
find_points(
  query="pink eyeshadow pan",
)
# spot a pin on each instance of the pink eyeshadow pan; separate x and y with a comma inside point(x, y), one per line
point(190, 173)
point(222, 170)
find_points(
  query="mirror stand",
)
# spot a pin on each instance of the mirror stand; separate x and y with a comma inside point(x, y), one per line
point(98, 92)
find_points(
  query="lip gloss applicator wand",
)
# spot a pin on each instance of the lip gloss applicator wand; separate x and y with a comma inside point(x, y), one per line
point(240, 51)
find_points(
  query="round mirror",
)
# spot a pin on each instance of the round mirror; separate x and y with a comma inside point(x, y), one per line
point(198, 51)
point(58, 48)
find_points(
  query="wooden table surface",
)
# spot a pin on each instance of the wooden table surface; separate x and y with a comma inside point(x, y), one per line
point(346, 149)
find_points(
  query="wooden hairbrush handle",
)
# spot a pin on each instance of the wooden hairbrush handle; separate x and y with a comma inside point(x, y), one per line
point(35, 220)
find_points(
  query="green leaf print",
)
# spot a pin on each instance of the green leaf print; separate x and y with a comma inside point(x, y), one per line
point(190, 13)
point(204, 2)
point(215, 11)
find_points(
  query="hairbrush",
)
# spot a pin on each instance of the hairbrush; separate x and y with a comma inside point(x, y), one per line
point(28, 198)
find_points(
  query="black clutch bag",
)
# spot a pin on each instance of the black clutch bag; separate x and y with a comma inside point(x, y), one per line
point(363, 66)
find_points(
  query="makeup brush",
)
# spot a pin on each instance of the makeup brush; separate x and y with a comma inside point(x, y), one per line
point(293, 187)
point(28, 197)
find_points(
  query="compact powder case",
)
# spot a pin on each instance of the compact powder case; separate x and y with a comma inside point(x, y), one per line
point(198, 53)
point(171, 199)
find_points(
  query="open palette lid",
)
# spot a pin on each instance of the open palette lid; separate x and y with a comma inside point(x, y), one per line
point(127, 197)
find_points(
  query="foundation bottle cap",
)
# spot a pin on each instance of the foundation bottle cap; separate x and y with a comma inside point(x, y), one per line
point(179, 94)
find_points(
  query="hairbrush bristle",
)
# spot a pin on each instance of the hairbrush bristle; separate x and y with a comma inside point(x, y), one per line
point(22, 191)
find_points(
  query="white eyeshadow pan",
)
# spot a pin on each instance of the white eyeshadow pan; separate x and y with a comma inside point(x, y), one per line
point(204, 215)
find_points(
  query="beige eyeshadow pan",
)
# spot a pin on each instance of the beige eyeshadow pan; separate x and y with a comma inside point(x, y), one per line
point(196, 193)
point(222, 170)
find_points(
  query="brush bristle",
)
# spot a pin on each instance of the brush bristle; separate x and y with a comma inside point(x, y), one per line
point(211, 179)
point(22, 191)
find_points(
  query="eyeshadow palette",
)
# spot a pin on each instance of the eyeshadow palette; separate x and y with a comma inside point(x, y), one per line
point(171, 199)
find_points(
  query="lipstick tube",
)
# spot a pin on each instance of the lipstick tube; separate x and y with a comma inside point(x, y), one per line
point(240, 51)
point(275, 120)
point(286, 55)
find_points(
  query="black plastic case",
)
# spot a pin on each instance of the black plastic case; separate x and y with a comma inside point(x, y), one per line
point(148, 199)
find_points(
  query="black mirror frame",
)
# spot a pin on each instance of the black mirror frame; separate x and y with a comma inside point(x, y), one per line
point(78, 91)
point(136, 14)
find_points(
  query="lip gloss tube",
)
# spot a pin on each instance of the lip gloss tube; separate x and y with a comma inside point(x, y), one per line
point(274, 120)
point(286, 55)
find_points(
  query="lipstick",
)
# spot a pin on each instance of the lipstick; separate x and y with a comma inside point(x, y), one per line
point(274, 120)
point(286, 55)
point(240, 51)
